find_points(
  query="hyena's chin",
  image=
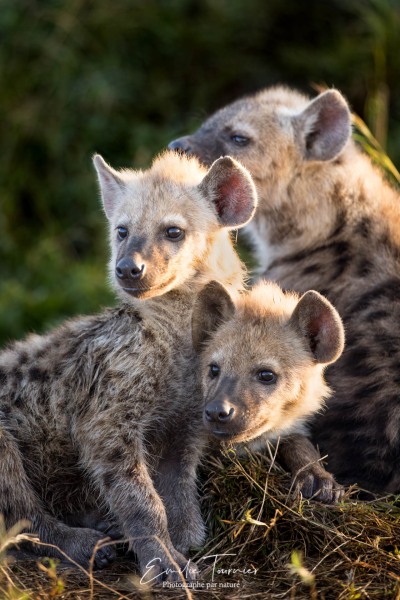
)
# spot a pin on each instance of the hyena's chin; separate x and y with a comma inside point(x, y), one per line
point(242, 435)
point(145, 289)
point(137, 292)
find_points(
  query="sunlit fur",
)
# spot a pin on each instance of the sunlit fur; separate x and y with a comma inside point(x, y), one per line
point(332, 225)
point(103, 414)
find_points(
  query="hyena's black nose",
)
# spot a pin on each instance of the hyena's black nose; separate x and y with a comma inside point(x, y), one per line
point(181, 145)
point(126, 269)
point(220, 412)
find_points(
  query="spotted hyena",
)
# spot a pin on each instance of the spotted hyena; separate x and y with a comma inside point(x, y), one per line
point(327, 220)
point(103, 414)
point(263, 362)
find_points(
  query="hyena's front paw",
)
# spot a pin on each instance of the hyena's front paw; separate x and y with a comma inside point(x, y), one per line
point(79, 545)
point(314, 481)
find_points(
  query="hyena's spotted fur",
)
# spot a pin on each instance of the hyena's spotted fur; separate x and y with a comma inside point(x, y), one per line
point(327, 220)
point(104, 413)
point(263, 360)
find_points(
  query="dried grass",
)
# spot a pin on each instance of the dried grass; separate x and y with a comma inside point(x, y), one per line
point(279, 546)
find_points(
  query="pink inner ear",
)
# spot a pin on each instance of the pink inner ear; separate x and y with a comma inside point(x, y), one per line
point(314, 326)
point(319, 328)
point(232, 201)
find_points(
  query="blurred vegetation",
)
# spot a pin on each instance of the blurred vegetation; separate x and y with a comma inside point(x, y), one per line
point(123, 77)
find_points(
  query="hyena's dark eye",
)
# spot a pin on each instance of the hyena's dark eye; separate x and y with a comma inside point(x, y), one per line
point(266, 377)
point(240, 140)
point(174, 234)
point(122, 232)
point(213, 370)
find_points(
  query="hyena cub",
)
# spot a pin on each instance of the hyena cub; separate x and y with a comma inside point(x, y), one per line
point(263, 360)
point(327, 220)
point(104, 413)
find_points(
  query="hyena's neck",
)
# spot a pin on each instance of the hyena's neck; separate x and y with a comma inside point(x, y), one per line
point(220, 262)
point(319, 199)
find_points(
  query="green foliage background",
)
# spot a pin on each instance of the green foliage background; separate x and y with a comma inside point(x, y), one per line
point(123, 77)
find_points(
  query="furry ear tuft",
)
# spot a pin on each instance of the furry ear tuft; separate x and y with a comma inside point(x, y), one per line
point(213, 306)
point(320, 323)
point(110, 183)
point(324, 127)
point(230, 188)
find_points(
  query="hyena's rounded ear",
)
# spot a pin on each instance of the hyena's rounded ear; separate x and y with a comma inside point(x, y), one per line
point(320, 323)
point(324, 127)
point(111, 184)
point(230, 188)
point(213, 306)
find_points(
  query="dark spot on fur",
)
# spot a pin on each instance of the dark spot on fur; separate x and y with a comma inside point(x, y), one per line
point(375, 315)
point(339, 224)
point(365, 267)
point(38, 375)
point(5, 410)
point(363, 227)
point(340, 250)
point(288, 405)
point(19, 401)
point(17, 373)
point(7, 511)
point(115, 455)
point(343, 257)
point(3, 376)
point(389, 290)
point(126, 439)
point(311, 269)
point(354, 362)
point(58, 371)
point(23, 357)
point(92, 390)
point(149, 335)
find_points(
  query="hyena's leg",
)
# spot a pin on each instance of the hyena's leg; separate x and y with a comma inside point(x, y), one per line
point(120, 471)
point(94, 519)
point(303, 460)
point(175, 481)
point(18, 501)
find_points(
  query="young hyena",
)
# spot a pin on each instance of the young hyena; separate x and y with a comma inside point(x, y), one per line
point(104, 413)
point(327, 220)
point(263, 360)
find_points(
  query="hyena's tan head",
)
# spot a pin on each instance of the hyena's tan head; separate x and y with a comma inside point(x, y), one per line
point(263, 358)
point(166, 222)
point(273, 131)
